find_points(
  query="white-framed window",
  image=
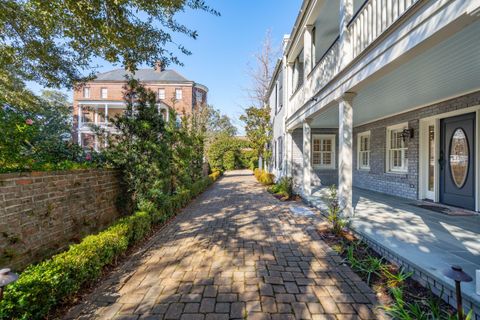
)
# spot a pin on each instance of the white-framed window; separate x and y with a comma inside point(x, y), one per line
point(104, 93)
point(397, 160)
point(178, 94)
point(86, 92)
point(363, 154)
point(280, 152)
point(323, 151)
point(161, 94)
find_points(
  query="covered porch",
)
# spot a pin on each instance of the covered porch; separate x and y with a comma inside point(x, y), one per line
point(422, 240)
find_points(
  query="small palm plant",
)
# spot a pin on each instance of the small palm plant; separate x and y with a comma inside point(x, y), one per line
point(335, 216)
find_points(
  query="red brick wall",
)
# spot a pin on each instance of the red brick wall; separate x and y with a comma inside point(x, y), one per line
point(43, 212)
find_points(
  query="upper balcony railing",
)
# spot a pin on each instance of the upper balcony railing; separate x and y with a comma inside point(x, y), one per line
point(370, 21)
point(373, 18)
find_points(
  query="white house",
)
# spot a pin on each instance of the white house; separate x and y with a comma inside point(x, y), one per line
point(382, 95)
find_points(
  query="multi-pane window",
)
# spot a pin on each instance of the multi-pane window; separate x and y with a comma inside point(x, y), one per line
point(178, 94)
point(363, 158)
point(161, 94)
point(275, 153)
point(323, 151)
point(280, 152)
point(86, 92)
point(104, 93)
point(397, 160)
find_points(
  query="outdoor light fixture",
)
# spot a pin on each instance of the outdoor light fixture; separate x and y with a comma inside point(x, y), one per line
point(6, 277)
point(407, 133)
point(456, 274)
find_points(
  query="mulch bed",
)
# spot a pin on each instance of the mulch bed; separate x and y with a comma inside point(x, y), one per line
point(280, 197)
point(412, 290)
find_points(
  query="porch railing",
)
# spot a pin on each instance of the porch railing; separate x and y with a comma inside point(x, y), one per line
point(370, 21)
point(373, 19)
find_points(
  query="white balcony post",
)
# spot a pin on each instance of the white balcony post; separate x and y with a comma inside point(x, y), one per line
point(307, 158)
point(346, 48)
point(345, 152)
point(288, 152)
point(307, 50)
point(79, 124)
point(287, 86)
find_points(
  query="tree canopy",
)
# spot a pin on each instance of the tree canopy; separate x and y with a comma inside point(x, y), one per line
point(53, 42)
point(258, 129)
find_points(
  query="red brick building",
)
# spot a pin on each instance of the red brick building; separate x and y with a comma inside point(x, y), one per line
point(101, 99)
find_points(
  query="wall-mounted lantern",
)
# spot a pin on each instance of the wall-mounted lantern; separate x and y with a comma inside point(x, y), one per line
point(456, 274)
point(407, 133)
point(6, 277)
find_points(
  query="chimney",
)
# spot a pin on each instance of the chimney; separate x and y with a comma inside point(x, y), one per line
point(159, 66)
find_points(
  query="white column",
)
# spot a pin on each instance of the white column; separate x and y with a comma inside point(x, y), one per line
point(79, 124)
point(345, 152)
point(307, 50)
point(288, 152)
point(346, 49)
point(307, 157)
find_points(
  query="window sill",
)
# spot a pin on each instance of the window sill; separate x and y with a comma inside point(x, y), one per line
point(397, 173)
point(364, 169)
point(324, 168)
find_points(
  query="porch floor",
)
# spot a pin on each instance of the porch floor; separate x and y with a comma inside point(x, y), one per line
point(427, 240)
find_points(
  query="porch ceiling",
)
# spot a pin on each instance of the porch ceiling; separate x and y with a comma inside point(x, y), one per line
point(448, 69)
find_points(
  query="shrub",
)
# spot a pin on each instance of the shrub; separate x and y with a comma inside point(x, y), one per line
point(264, 177)
point(42, 286)
point(225, 153)
point(229, 160)
point(283, 187)
point(334, 214)
point(215, 175)
point(248, 159)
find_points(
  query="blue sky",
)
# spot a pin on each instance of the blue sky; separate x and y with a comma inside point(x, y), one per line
point(226, 45)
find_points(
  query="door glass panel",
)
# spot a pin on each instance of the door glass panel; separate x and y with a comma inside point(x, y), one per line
point(459, 157)
point(431, 157)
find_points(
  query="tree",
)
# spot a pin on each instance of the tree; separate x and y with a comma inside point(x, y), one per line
point(261, 72)
point(32, 138)
point(157, 154)
point(215, 122)
point(141, 149)
point(215, 125)
point(258, 130)
point(53, 42)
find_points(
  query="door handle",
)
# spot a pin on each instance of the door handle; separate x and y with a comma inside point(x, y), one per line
point(441, 160)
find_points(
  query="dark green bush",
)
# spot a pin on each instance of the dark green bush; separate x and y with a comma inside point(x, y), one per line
point(229, 160)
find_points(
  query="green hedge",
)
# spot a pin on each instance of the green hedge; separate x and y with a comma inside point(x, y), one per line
point(41, 287)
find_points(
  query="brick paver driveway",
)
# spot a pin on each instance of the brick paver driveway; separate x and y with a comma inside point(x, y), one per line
point(235, 252)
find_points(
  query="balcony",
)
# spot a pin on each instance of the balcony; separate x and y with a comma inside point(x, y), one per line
point(372, 19)
point(98, 115)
